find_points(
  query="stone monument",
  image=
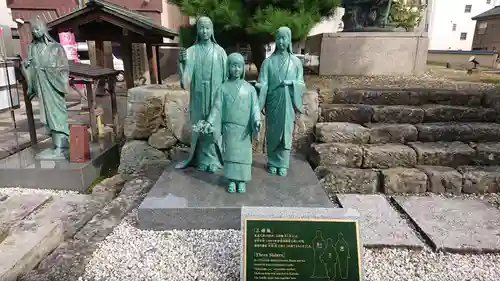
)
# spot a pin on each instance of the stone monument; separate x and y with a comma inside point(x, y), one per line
point(203, 70)
point(367, 16)
point(47, 74)
point(281, 87)
point(236, 113)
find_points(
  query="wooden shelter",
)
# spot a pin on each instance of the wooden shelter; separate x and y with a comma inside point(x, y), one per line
point(101, 21)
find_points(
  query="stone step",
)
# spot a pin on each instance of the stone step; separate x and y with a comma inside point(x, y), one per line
point(420, 179)
point(465, 132)
point(363, 113)
point(407, 97)
point(17, 207)
point(346, 132)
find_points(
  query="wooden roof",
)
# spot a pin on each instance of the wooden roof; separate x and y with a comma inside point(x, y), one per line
point(103, 11)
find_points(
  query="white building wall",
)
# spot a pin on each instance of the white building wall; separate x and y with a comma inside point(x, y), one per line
point(330, 25)
point(444, 14)
point(6, 15)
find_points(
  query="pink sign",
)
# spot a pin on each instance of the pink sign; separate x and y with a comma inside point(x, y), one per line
point(67, 40)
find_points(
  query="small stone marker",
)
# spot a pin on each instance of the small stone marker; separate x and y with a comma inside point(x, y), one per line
point(301, 244)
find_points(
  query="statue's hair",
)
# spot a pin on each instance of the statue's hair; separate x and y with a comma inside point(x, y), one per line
point(206, 20)
point(286, 30)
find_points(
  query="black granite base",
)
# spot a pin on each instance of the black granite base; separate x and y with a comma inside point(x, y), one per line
point(22, 169)
point(189, 199)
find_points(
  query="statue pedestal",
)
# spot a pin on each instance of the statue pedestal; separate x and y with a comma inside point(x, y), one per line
point(23, 169)
point(189, 199)
point(370, 53)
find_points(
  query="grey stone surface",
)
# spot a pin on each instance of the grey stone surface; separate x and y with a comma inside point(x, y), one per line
point(354, 113)
point(17, 207)
point(465, 132)
point(23, 170)
point(388, 156)
point(68, 260)
point(488, 153)
point(26, 246)
point(480, 179)
point(373, 96)
point(337, 179)
point(162, 139)
point(248, 212)
point(189, 199)
point(404, 180)
point(452, 154)
point(72, 210)
point(450, 113)
point(381, 225)
point(337, 154)
point(397, 114)
point(177, 114)
point(443, 179)
point(392, 133)
point(454, 224)
point(342, 132)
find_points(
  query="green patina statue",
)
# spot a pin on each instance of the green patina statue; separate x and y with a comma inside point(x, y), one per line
point(47, 74)
point(236, 112)
point(203, 68)
point(281, 85)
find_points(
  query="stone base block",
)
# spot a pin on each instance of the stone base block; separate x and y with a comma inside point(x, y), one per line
point(24, 170)
point(189, 199)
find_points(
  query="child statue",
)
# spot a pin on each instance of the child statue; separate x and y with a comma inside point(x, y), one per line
point(281, 84)
point(236, 112)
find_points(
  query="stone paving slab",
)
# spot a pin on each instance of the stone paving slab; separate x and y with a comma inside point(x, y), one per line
point(18, 207)
point(454, 224)
point(380, 224)
point(73, 210)
point(28, 243)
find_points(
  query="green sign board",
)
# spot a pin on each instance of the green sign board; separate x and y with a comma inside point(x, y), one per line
point(302, 250)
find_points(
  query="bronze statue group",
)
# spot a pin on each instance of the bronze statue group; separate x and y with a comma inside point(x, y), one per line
point(225, 109)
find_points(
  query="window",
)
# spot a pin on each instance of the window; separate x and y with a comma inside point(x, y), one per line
point(454, 27)
point(463, 36)
point(482, 27)
point(468, 8)
point(488, 1)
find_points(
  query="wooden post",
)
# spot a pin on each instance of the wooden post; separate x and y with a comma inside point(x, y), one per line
point(158, 68)
point(114, 107)
point(151, 63)
point(100, 61)
point(126, 45)
point(91, 104)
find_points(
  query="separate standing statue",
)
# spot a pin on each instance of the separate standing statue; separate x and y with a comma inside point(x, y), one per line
point(47, 74)
point(203, 67)
point(236, 111)
point(281, 85)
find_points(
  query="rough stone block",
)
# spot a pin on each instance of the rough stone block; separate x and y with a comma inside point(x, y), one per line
point(488, 153)
point(381, 225)
point(450, 113)
point(348, 180)
point(443, 179)
point(137, 157)
point(346, 113)
point(454, 224)
point(342, 132)
point(404, 180)
point(480, 179)
point(27, 244)
point(446, 97)
point(373, 96)
point(304, 126)
point(388, 156)
point(466, 132)
point(452, 154)
point(397, 114)
point(337, 154)
point(162, 139)
point(392, 133)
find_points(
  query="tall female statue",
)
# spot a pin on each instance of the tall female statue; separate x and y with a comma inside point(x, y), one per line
point(203, 67)
point(47, 74)
point(281, 84)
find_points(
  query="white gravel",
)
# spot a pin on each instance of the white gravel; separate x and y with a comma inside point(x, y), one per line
point(27, 191)
point(134, 255)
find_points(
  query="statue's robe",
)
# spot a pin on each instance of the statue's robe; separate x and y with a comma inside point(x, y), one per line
point(236, 111)
point(205, 71)
point(280, 103)
point(47, 77)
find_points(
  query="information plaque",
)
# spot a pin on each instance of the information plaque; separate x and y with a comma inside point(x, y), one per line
point(301, 249)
